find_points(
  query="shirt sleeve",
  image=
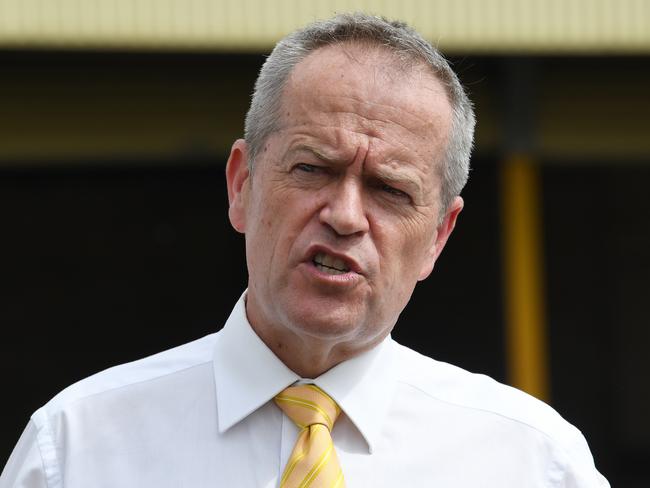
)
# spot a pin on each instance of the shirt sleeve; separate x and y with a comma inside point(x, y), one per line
point(581, 472)
point(25, 468)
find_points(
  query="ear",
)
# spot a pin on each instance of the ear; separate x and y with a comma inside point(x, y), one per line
point(237, 179)
point(443, 231)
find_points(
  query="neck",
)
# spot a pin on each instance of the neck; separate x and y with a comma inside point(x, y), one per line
point(306, 355)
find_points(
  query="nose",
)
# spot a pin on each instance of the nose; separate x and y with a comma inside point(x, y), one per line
point(344, 208)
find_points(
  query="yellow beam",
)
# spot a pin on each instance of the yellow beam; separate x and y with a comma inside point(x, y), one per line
point(585, 26)
point(526, 348)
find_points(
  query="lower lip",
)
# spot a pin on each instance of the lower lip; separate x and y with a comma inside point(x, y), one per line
point(344, 279)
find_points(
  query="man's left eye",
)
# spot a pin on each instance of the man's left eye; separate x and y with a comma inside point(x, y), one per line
point(394, 191)
point(307, 168)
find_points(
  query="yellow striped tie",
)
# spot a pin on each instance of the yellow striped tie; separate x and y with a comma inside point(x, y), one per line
point(313, 461)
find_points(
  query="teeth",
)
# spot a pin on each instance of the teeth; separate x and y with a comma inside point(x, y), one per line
point(330, 271)
point(329, 264)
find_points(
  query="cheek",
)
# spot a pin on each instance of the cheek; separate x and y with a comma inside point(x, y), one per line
point(261, 228)
point(410, 238)
point(267, 198)
point(278, 222)
point(403, 245)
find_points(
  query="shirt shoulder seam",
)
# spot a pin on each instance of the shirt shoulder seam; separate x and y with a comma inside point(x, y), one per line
point(544, 433)
point(105, 384)
point(131, 383)
point(47, 451)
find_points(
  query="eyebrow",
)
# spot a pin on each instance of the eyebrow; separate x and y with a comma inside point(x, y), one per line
point(401, 178)
point(314, 152)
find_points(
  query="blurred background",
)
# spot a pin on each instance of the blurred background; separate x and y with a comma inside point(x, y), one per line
point(116, 119)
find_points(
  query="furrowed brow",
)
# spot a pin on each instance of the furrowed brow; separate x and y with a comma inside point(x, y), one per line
point(396, 177)
point(312, 151)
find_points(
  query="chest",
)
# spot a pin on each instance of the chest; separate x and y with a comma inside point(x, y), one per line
point(408, 452)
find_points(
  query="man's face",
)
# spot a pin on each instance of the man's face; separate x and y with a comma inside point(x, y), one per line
point(341, 213)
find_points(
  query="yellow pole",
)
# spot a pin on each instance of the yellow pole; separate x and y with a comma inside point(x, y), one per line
point(526, 348)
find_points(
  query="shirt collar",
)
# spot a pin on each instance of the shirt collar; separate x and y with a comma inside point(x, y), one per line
point(247, 374)
point(362, 386)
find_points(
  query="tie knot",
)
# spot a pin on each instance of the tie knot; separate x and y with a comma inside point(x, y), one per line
point(308, 405)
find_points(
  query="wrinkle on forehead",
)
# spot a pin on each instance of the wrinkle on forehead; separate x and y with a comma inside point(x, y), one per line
point(374, 157)
point(339, 144)
point(385, 110)
point(385, 140)
point(324, 84)
point(350, 106)
point(404, 96)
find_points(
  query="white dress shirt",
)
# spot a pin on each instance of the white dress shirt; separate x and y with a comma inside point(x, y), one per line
point(202, 415)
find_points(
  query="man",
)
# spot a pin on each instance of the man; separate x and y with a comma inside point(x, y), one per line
point(347, 189)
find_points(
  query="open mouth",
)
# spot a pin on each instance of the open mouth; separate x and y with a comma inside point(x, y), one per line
point(329, 264)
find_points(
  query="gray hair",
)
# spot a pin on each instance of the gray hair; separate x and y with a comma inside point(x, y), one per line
point(264, 115)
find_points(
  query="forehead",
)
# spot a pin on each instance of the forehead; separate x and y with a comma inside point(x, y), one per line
point(366, 91)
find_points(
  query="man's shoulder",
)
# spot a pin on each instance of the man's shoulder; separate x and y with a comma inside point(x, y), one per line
point(460, 389)
point(136, 375)
point(485, 417)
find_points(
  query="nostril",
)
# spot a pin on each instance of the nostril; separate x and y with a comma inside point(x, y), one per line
point(345, 214)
